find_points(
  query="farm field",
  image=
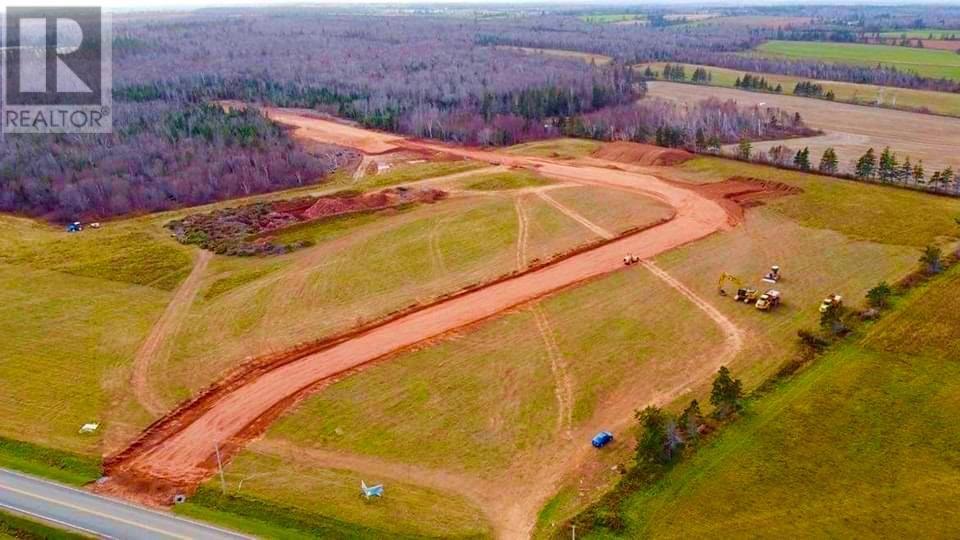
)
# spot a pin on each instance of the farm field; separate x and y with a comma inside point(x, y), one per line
point(849, 129)
point(75, 309)
point(272, 303)
point(471, 373)
point(926, 62)
point(848, 434)
point(607, 18)
point(863, 94)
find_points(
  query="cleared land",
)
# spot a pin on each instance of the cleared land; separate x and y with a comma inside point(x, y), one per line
point(926, 62)
point(556, 148)
point(597, 59)
point(923, 34)
point(861, 94)
point(863, 442)
point(849, 129)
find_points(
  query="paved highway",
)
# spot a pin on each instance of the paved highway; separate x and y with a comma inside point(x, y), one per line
point(95, 515)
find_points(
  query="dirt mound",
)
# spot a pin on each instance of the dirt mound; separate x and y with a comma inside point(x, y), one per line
point(333, 206)
point(642, 154)
point(740, 192)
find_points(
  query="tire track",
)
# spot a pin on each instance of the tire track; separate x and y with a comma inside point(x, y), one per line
point(523, 233)
point(563, 384)
point(155, 349)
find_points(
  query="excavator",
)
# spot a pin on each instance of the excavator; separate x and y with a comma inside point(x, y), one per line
point(744, 294)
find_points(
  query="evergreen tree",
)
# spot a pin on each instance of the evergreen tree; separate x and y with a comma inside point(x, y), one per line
point(802, 159)
point(690, 420)
point(652, 439)
point(931, 259)
point(918, 174)
point(878, 296)
point(829, 163)
point(866, 165)
point(726, 393)
point(744, 149)
point(905, 171)
point(887, 169)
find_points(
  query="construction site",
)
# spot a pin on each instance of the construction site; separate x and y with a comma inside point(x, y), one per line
point(616, 229)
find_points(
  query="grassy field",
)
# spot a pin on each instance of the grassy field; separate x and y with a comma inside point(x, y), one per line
point(615, 211)
point(517, 179)
point(556, 148)
point(331, 497)
point(362, 267)
point(466, 387)
point(863, 443)
point(13, 526)
point(404, 173)
point(860, 211)
point(74, 310)
point(861, 94)
point(925, 62)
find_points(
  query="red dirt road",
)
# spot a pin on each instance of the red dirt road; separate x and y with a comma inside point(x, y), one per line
point(179, 452)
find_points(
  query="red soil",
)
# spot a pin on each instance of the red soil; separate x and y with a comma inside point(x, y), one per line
point(642, 154)
point(178, 451)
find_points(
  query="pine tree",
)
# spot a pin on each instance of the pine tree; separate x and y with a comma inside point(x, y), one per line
point(829, 162)
point(866, 165)
point(887, 169)
point(905, 171)
point(919, 175)
point(802, 159)
point(726, 393)
point(744, 149)
point(690, 420)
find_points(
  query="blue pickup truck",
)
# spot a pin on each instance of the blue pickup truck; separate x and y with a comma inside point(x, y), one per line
point(601, 439)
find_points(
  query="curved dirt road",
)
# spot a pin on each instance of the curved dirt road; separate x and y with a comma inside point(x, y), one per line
point(185, 457)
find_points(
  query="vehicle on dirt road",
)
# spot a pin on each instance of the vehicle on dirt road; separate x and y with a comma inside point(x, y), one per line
point(629, 259)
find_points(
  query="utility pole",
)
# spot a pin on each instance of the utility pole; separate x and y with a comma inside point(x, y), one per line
point(223, 482)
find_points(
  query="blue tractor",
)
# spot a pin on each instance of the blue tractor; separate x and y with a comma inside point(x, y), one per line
point(74, 227)
point(601, 439)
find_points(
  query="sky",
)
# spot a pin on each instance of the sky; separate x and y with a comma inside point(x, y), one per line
point(124, 5)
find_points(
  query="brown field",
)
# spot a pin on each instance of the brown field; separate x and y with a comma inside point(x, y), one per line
point(849, 129)
point(311, 126)
point(598, 59)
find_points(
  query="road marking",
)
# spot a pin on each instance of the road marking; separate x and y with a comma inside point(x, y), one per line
point(70, 526)
point(93, 512)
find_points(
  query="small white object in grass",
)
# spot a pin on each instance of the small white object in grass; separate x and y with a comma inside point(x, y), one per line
point(89, 428)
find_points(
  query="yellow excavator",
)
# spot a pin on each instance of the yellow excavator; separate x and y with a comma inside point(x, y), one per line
point(744, 294)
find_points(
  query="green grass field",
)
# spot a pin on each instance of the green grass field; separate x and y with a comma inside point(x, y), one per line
point(926, 62)
point(863, 94)
point(14, 526)
point(615, 211)
point(863, 443)
point(517, 179)
point(74, 310)
point(564, 148)
point(330, 498)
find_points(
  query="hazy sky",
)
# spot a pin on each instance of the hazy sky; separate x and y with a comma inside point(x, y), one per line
point(186, 4)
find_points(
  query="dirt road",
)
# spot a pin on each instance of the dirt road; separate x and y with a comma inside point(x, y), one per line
point(183, 456)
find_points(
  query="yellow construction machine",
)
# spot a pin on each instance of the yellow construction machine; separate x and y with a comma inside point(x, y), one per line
point(744, 294)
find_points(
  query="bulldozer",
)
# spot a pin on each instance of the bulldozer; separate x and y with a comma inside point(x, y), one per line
point(744, 294)
point(768, 300)
point(773, 275)
point(832, 300)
